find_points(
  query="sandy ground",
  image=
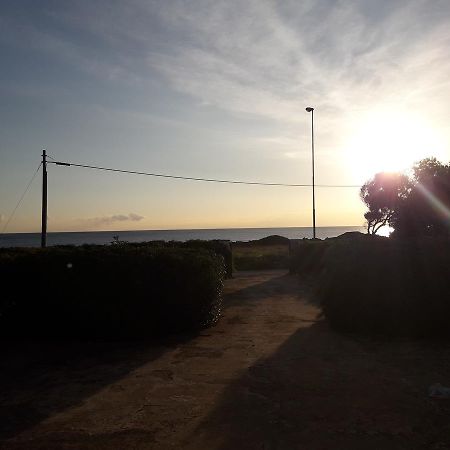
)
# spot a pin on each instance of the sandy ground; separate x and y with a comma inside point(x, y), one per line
point(269, 375)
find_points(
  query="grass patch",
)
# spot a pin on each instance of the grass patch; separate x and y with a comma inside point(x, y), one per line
point(256, 256)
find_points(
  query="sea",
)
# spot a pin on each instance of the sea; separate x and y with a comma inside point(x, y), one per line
point(229, 234)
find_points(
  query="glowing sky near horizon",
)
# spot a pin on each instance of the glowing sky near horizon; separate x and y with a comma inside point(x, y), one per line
point(216, 89)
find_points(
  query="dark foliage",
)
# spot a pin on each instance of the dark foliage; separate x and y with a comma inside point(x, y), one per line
point(274, 239)
point(415, 206)
point(219, 247)
point(108, 291)
point(222, 248)
point(350, 235)
point(383, 196)
point(307, 256)
point(387, 287)
point(426, 210)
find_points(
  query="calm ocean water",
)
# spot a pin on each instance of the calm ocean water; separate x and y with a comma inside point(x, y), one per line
point(105, 237)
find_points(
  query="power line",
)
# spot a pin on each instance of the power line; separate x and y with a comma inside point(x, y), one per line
point(209, 180)
point(21, 198)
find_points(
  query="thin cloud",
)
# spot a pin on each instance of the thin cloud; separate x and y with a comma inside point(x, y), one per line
point(273, 61)
point(111, 220)
point(268, 60)
point(264, 58)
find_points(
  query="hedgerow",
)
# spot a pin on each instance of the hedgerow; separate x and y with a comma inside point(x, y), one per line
point(108, 291)
point(219, 247)
point(376, 285)
point(387, 287)
point(306, 256)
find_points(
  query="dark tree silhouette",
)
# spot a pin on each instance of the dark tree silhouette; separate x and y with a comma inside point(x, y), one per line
point(416, 206)
point(383, 195)
point(429, 168)
point(426, 211)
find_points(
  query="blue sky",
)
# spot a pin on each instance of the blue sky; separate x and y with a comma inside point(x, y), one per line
point(216, 89)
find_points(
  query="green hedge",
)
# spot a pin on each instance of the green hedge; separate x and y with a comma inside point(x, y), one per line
point(108, 291)
point(387, 287)
point(219, 247)
point(306, 256)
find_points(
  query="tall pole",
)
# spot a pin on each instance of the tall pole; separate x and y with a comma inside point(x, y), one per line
point(44, 200)
point(311, 110)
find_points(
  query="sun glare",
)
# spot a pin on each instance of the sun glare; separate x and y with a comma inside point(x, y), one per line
point(390, 143)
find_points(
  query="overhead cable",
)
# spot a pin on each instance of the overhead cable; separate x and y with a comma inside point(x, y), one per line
point(209, 180)
point(21, 198)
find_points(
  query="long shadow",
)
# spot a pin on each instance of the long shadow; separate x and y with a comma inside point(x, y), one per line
point(322, 390)
point(41, 379)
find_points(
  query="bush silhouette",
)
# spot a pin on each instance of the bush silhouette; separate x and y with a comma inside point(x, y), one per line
point(108, 291)
point(387, 287)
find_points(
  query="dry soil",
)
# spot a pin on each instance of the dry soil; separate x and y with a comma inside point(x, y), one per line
point(269, 375)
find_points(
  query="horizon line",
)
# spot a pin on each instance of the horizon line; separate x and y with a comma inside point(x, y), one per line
point(182, 229)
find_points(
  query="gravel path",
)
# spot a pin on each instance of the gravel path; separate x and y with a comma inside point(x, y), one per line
point(269, 375)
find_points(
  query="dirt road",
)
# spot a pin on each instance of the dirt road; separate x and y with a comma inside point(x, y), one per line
point(269, 375)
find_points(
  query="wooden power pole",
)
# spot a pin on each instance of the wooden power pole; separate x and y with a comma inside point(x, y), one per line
point(44, 200)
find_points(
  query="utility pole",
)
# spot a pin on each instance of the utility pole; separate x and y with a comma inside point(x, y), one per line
point(44, 200)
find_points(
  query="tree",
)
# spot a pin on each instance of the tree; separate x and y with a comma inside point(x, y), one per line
point(383, 194)
point(429, 168)
point(426, 211)
point(416, 206)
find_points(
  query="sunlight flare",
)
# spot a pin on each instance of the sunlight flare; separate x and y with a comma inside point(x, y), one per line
point(390, 142)
point(435, 202)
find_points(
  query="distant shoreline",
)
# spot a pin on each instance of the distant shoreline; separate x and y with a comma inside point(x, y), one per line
point(179, 229)
point(230, 234)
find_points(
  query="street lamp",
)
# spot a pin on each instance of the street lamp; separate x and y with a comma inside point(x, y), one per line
point(311, 110)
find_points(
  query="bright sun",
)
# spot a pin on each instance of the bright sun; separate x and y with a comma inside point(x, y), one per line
point(390, 142)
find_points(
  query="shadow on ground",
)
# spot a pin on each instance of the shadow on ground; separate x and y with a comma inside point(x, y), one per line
point(41, 379)
point(270, 375)
point(322, 390)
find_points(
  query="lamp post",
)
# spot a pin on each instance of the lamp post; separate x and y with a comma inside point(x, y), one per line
point(311, 110)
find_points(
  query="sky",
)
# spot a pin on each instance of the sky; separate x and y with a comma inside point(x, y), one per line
point(215, 89)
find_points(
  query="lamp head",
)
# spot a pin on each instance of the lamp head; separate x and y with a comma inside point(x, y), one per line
point(309, 109)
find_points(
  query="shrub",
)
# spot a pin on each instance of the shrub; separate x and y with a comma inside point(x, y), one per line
point(219, 247)
point(108, 291)
point(274, 239)
point(387, 287)
point(306, 256)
